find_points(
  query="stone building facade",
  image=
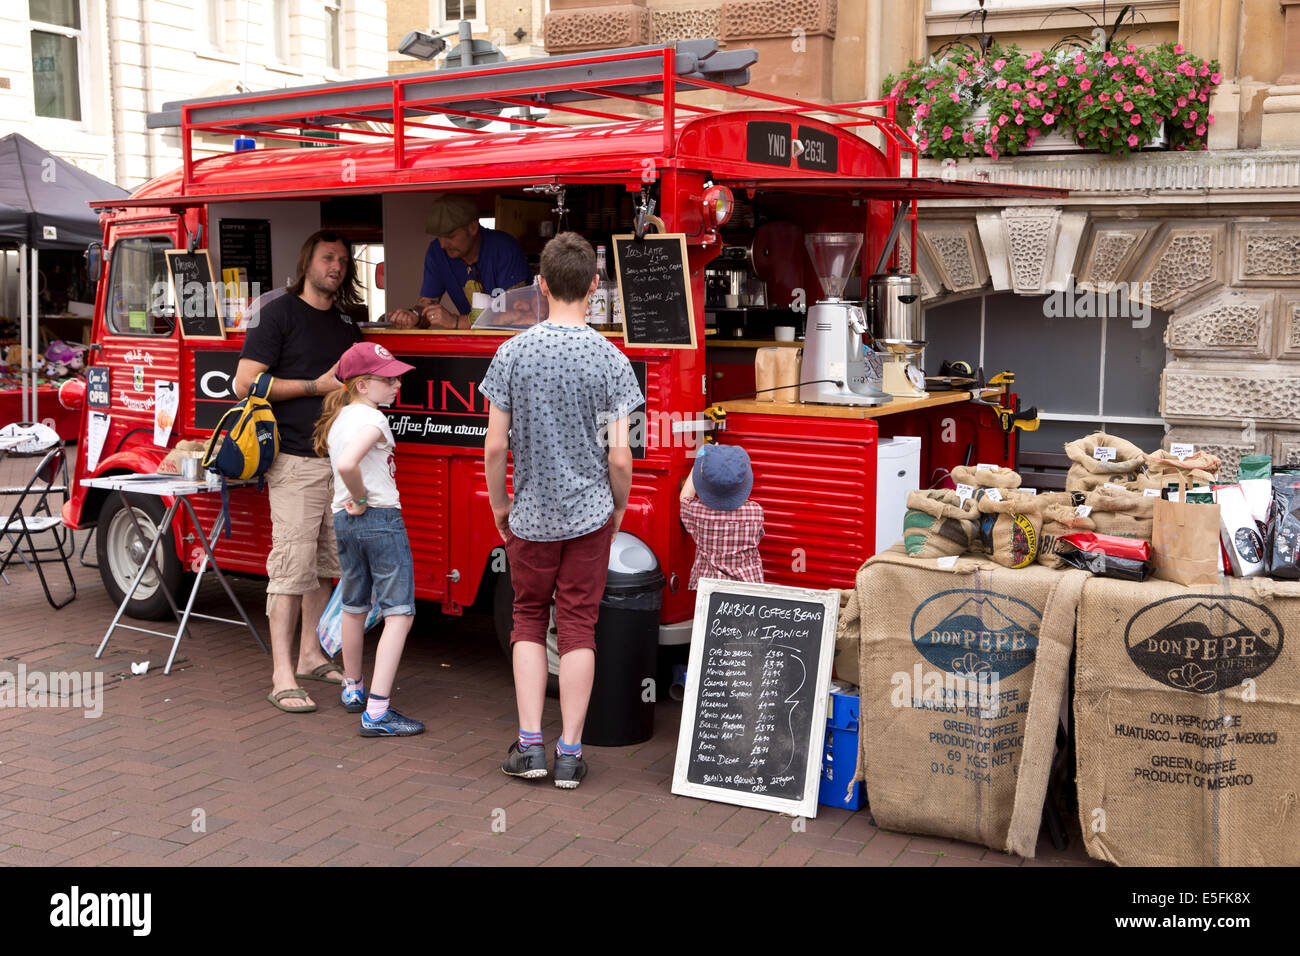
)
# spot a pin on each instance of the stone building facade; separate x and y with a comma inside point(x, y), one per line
point(1208, 243)
point(79, 77)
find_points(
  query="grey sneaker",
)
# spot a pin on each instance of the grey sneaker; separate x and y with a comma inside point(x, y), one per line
point(392, 724)
point(569, 771)
point(529, 764)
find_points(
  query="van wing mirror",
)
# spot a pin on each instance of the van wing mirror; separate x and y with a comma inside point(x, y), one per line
point(94, 260)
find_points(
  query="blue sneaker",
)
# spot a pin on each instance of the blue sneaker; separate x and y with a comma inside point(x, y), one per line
point(392, 724)
point(354, 700)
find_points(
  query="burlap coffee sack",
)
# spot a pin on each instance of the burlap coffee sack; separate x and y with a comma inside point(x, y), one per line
point(1187, 715)
point(171, 464)
point(943, 751)
point(1143, 482)
point(1121, 512)
point(848, 636)
point(939, 523)
point(1087, 471)
point(1165, 468)
point(995, 477)
point(1017, 526)
point(1059, 519)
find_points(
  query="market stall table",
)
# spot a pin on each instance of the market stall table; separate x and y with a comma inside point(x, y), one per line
point(179, 490)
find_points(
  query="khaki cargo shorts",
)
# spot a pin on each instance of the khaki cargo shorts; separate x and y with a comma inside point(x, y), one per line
point(303, 549)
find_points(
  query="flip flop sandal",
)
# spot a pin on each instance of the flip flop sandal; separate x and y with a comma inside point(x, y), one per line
point(319, 673)
point(292, 693)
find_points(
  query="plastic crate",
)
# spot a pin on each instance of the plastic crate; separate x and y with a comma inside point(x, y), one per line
point(840, 760)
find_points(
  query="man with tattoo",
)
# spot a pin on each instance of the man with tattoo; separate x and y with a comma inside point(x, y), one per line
point(298, 336)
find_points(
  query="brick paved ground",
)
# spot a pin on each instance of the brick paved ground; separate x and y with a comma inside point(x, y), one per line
point(272, 788)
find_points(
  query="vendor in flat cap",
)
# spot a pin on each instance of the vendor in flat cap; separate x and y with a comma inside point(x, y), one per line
point(464, 258)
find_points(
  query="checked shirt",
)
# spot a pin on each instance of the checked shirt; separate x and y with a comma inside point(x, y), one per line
point(726, 542)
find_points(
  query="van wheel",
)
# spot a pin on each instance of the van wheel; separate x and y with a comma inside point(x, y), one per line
point(119, 551)
point(503, 604)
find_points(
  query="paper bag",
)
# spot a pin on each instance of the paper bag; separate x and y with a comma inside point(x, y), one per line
point(1185, 540)
point(765, 373)
point(788, 362)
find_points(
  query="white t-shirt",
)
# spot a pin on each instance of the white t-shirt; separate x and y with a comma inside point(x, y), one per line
point(378, 468)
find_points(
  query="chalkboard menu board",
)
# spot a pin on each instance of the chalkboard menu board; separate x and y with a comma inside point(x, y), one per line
point(198, 302)
point(754, 715)
point(246, 244)
point(655, 285)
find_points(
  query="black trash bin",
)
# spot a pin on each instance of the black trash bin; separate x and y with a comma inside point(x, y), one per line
point(622, 708)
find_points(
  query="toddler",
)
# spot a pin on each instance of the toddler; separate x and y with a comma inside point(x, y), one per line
point(725, 525)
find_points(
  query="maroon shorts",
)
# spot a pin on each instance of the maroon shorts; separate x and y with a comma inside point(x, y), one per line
point(573, 572)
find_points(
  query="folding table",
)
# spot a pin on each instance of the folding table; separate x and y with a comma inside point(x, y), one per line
point(179, 490)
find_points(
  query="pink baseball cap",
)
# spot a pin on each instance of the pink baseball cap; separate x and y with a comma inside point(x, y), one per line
point(370, 358)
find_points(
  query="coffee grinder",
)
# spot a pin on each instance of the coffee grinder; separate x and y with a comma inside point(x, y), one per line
point(836, 330)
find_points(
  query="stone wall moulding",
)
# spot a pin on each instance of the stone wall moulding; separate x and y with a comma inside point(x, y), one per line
point(1188, 261)
point(1286, 449)
point(1030, 243)
point(1266, 253)
point(1229, 323)
point(673, 24)
point(1288, 322)
point(597, 28)
point(1111, 252)
point(1237, 392)
point(931, 284)
point(749, 19)
point(954, 249)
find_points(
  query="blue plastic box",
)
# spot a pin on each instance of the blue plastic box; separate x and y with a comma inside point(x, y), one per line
point(840, 761)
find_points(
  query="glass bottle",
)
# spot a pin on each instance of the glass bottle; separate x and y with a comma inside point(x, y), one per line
point(598, 299)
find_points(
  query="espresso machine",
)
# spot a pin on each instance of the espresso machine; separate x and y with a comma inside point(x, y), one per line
point(836, 330)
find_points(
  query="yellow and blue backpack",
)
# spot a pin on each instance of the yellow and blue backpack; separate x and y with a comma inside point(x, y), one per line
point(251, 443)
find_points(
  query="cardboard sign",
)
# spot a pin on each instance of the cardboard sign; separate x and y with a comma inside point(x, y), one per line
point(655, 288)
point(754, 715)
point(197, 296)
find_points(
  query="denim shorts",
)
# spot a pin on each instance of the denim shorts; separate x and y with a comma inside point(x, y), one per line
point(374, 554)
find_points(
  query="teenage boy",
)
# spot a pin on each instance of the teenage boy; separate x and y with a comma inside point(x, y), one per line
point(298, 338)
point(560, 397)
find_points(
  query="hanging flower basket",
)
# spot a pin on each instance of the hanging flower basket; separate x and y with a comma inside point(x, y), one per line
point(1005, 102)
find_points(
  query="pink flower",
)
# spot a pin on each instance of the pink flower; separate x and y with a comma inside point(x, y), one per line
point(1187, 124)
point(1062, 80)
point(1200, 130)
point(993, 133)
point(922, 110)
point(955, 96)
point(998, 64)
point(1015, 104)
point(1178, 48)
point(968, 137)
point(1135, 118)
point(1085, 85)
point(911, 132)
point(1014, 87)
point(1104, 96)
point(1080, 67)
point(1042, 85)
point(911, 101)
point(1182, 101)
point(1174, 111)
point(1128, 106)
point(1087, 100)
point(1002, 120)
point(961, 75)
point(1041, 70)
point(931, 84)
point(1128, 60)
point(1132, 139)
point(1192, 115)
point(1201, 97)
point(1131, 48)
point(1209, 118)
point(1049, 119)
point(1001, 83)
point(1035, 102)
point(1020, 119)
point(947, 132)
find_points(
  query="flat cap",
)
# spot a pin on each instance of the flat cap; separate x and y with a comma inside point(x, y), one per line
point(448, 213)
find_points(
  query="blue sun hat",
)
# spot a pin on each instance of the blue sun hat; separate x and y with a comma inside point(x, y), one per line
point(723, 477)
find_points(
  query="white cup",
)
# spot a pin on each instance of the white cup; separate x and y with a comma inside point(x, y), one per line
point(784, 333)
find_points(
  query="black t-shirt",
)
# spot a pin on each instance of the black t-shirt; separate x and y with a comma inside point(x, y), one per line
point(296, 341)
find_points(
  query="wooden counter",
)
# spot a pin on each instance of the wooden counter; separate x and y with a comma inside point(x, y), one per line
point(857, 412)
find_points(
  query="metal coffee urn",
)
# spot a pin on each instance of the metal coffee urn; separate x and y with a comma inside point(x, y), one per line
point(894, 299)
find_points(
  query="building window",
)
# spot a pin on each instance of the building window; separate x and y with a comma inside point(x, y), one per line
point(453, 11)
point(333, 36)
point(213, 22)
point(280, 30)
point(56, 41)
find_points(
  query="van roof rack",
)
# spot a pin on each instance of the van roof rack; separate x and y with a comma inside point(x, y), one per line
point(345, 113)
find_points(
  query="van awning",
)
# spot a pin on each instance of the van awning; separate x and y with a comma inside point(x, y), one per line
point(901, 188)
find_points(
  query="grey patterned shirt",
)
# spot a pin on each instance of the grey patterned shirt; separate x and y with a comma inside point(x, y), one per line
point(560, 384)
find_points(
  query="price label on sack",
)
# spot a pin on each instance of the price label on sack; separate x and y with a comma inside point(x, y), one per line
point(1182, 450)
point(993, 494)
point(1151, 492)
point(982, 466)
point(1027, 491)
point(965, 491)
point(1083, 511)
point(949, 561)
point(1111, 484)
point(1103, 454)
